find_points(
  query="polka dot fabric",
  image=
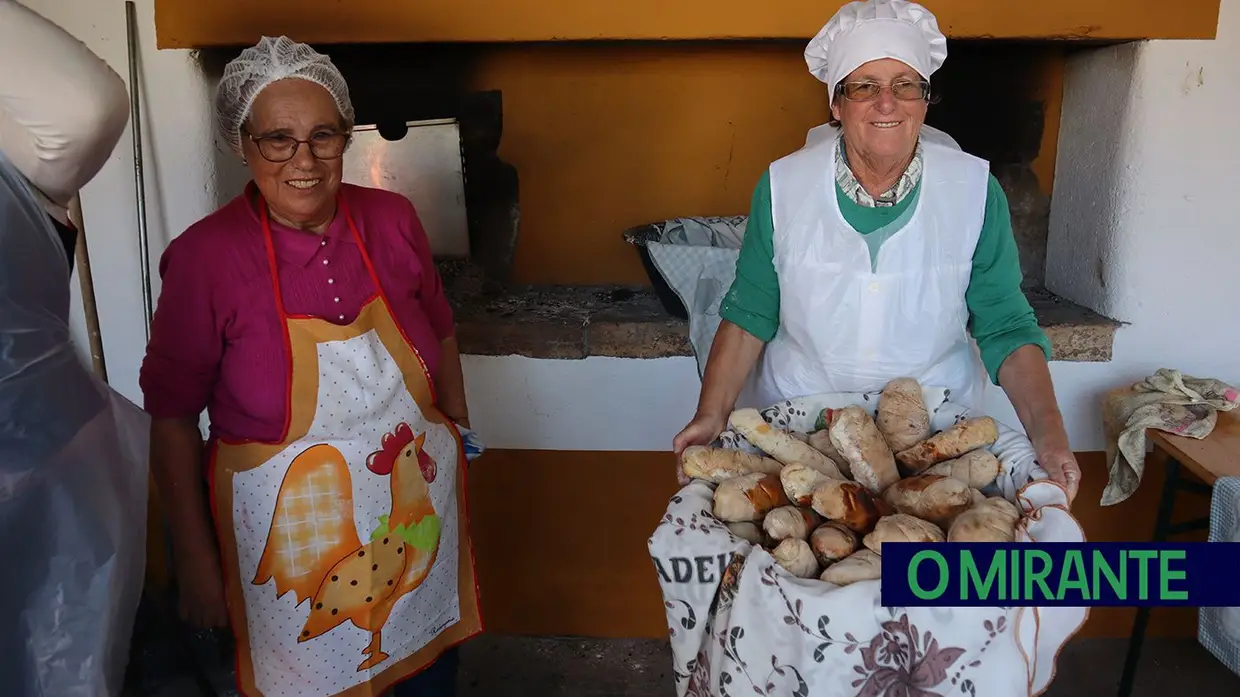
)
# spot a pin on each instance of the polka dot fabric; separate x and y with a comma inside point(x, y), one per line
point(361, 397)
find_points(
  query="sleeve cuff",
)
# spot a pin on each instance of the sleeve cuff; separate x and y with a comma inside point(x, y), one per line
point(757, 325)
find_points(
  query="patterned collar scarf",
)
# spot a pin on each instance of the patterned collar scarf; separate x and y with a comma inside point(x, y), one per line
point(852, 188)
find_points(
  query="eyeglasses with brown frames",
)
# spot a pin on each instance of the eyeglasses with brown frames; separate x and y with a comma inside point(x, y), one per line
point(324, 145)
point(868, 90)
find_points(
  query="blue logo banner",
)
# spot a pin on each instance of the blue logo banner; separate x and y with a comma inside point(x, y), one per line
point(1091, 574)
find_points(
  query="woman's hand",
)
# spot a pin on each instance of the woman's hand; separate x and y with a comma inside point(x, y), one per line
point(702, 430)
point(732, 356)
point(1063, 469)
point(1026, 378)
point(201, 590)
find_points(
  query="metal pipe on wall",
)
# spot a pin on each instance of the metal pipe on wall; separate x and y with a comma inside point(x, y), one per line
point(135, 117)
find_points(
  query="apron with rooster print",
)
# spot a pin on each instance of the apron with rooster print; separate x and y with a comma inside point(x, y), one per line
point(346, 552)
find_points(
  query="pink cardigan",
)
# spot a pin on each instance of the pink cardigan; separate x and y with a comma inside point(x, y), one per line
point(216, 339)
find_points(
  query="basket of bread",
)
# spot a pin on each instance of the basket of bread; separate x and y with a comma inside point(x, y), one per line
point(770, 559)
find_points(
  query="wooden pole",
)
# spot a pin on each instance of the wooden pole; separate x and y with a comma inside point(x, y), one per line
point(87, 282)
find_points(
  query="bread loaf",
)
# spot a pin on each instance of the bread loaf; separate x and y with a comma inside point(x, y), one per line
point(930, 497)
point(796, 558)
point(992, 520)
point(902, 416)
point(976, 468)
point(799, 482)
point(902, 528)
point(869, 459)
point(953, 442)
point(748, 497)
point(778, 444)
point(821, 441)
point(787, 522)
point(848, 503)
point(832, 542)
point(862, 565)
point(717, 464)
point(749, 532)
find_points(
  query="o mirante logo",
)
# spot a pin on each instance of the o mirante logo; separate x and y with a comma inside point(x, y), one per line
point(1060, 574)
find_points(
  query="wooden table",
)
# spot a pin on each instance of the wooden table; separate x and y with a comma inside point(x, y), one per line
point(1207, 459)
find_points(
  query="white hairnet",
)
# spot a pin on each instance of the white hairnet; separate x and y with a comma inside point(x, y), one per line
point(864, 31)
point(264, 63)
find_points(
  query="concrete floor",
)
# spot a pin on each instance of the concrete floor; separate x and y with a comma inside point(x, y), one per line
point(510, 666)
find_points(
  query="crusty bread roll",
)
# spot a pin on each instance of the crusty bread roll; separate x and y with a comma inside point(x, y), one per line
point(717, 464)
point(821, 441)
point(848, 503)
point(748, 497)
point(902, 528)
point(862, 565)
point(978, 496)
point(779, 444)
point(953, 442)
point(796, 557)
point(832, 542)
point(930, 497)
point(799, 482)
point(992, 520)
point(869, 459)
point(902, 416)
point(747, 531)
point(788, 522)
point(977, 468)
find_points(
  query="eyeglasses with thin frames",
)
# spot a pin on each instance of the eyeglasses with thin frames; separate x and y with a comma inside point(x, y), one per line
point(868, 91)
point(325, 145)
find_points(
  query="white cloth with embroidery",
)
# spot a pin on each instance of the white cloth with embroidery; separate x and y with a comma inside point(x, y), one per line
point(1169, 401)
point(740, 624)
point(1218, 628)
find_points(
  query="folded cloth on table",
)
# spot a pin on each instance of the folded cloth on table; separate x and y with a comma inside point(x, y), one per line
point(1169, 401)
point(1218, 628)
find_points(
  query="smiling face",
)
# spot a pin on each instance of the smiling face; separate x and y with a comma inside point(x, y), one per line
point(300, 191)
point(885, 128)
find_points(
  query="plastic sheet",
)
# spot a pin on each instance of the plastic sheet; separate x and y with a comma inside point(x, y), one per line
point(73, 479)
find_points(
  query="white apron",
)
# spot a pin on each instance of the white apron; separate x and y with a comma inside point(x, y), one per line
point(849, 324)
point(345, 546)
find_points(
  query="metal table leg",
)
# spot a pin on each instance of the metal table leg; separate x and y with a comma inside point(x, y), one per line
point(1163, 529)
point(1137, 639)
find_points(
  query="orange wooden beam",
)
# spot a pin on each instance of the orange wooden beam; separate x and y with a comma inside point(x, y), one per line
point(195, 24)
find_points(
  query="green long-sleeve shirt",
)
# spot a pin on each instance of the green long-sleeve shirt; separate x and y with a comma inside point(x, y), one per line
point(1000, 317)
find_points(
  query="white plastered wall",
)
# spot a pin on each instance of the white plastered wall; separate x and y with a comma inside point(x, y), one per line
point(1142, 229)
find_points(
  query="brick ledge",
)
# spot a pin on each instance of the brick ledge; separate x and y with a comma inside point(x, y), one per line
point(574, 322)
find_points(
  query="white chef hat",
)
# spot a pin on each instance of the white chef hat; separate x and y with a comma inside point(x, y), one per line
point(269, 60)
point(864, 31)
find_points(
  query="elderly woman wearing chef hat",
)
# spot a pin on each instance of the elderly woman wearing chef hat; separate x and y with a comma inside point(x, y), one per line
point(877, 252)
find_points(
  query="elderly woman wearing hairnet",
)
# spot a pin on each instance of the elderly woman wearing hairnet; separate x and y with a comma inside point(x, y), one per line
point(874, 253)
point(307, 317)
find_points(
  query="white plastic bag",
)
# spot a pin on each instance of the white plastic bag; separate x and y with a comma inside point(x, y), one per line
point(73, 479)
point(739, 623)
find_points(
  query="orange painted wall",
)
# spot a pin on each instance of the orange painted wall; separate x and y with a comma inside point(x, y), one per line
point(560, 541)
point(605, 137)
